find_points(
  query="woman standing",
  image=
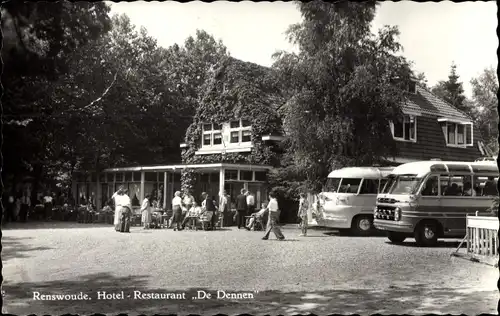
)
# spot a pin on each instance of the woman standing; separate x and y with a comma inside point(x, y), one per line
point(146, 211)
point(302, 214)
point(177, 210)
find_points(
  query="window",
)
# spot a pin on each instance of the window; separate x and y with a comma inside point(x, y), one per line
point(128, 176)
point(207, 139)
point(349, 185)
point(217, 138)
point(137, 176)
point(412, 87)
point(431, 187)
point(486, 186)
point(402, 184)
point(369, 186)
point(207, 127)
point(332, 184)
point(457, 134)
point(246, 175)
point(235, 137)
point(246, 136)
point(260, 176)
point(151, 176)
point(405, 129)
point(231, 174)
point(211, 134)
point(102, 177)
point(241, 131)
point(204, 178)
point(119, 177)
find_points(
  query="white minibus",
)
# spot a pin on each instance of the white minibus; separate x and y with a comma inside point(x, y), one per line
point(430, 199)
point(349, 196)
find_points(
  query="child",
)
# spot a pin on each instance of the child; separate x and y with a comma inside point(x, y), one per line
point(302, 213)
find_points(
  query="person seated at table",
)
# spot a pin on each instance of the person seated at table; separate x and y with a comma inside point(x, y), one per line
point(194, 212)
point(206, 215)
point(260, 214)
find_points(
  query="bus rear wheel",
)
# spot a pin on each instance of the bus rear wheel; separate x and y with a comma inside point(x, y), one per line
point(362, 225)
point(426, 234)
point(396, 237)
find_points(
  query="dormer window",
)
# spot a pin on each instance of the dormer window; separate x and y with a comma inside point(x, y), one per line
point(212, 134)
point(233, 134)
point(456, 133)
point(240, 132)
point(412, 87)
point(405, 129)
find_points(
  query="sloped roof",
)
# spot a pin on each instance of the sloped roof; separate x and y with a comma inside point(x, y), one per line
point(425, 102)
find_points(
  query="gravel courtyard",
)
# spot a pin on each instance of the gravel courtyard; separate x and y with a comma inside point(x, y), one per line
point(323, 273)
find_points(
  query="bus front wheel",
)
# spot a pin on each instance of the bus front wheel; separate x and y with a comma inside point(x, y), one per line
point(396, 237)
point(362, 225)
point(426, 234)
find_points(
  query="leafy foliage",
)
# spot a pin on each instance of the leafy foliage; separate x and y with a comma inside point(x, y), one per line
point(238, 90)
point(484, 107)
point(188, 180)
point(452, 90)
point(343, 87)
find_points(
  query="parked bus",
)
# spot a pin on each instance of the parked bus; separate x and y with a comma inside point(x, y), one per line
point(349, 196)
point(430, 199)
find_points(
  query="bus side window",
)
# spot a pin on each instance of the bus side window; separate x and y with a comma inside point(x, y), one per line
point(431, 187)
point(349, 185)
point(369, 186)
point(446, 188)
point(489, 186)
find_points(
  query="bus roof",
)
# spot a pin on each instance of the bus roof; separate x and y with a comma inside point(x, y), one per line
point(361, 172)
point(422, 168)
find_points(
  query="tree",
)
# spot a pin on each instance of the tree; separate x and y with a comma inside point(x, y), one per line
point(485, 107)
point(422, 80)
point(452, 90)
point(343, 88)
point(38, 39)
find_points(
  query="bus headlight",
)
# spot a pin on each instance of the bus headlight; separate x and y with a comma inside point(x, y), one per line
point(397, 214)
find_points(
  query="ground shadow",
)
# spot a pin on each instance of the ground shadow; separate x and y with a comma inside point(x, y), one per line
point(440, 244)
point(19, 299)
point(13, 247)
point(51, 225)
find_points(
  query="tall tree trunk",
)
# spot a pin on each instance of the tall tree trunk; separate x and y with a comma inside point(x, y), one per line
point(37, 176)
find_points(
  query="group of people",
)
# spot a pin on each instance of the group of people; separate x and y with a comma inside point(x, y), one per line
point(185, 208)
point(19, 206)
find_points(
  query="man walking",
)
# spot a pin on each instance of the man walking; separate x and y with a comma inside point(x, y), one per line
point(241, 209)
point(223, 208)
point(273, 217)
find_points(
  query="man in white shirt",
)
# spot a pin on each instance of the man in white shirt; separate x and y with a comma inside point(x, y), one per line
point(121, 200)
point(273, 217)
point(250, 202)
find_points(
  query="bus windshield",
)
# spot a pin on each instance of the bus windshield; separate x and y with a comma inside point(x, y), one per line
point(332, 184)
point(402, 184)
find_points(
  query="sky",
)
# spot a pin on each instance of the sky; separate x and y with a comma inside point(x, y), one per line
point(433, 34)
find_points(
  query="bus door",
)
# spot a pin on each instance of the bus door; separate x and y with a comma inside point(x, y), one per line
point(368, 195)
point(456, 201)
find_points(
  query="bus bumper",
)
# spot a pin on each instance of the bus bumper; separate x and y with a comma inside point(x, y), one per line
point(393, 226)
